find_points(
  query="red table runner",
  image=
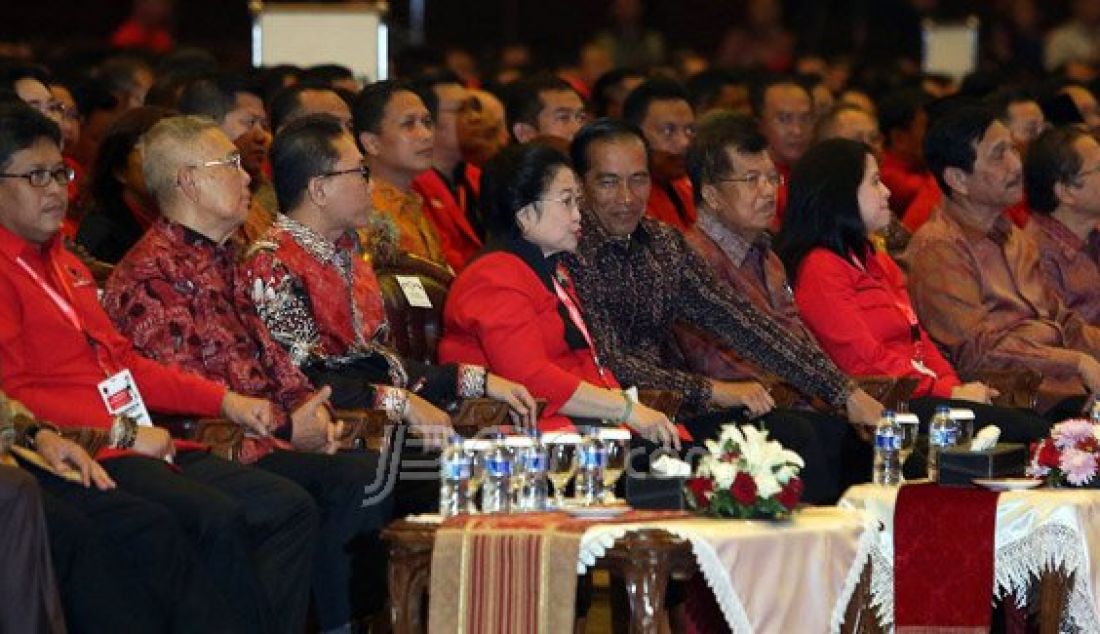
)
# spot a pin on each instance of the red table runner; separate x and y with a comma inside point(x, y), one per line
point(511, 573)
point(943, 559)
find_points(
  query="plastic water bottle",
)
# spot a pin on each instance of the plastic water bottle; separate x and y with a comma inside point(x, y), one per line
point(887, 469)
point(943, 432)
point(496, 489)
point(454, 478)
point(591, 460)
point(1095, 412)
point(534, 464)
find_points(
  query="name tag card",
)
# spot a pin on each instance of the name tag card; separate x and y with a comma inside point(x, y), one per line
point(121, 396)
point(414, 290)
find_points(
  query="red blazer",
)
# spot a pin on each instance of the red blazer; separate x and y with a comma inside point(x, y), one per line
point(660, 205)
point(448, 216)
point(861, 317)
point(48, 365)
point(501, 315)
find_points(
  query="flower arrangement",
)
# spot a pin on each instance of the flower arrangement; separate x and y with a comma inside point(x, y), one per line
point(745, 475)
point(1069, 456)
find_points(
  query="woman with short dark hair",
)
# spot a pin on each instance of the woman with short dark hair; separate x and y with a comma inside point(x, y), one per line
point(853, 298)
point(514, 309)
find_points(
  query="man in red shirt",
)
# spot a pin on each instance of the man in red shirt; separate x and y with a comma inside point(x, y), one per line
point(662, 109)
point(450, 187)
point(785, 111)
point(61, 357)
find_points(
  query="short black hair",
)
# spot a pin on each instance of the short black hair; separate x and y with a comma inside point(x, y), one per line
point(516, 177)
point(1051, 159)
point(637, 103)
point(601, 130)
point(305, 148)
point(706, 87)
point(370, 106)
point(216, 97)
point(287, 102)
point(21, 127)
point(952, 140)
point(11, 72)
point(523, 99)
point(113, 154)
point(823, 204)
point(601, 91)
point(707, 157)
point(1004, 97)
point(325, 74)
point(759, 90)
point(898, 109)
point(424, 87)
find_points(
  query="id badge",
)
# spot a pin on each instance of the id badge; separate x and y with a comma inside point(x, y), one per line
point(121, 396)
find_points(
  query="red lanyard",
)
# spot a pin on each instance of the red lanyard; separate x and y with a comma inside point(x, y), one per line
point(578, 321)
point(914, 326)
point(65, 305)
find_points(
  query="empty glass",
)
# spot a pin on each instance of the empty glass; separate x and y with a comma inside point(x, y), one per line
point(561, 449)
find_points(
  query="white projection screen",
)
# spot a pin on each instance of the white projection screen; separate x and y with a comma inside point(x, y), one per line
point(306, 34)
point(950, 48)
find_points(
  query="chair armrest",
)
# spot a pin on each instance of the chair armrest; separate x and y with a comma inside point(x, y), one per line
point(223, 436)
point(363, 429)
point(90, 438)
point(665, 401)
point(1018, 388)
point(892, 391)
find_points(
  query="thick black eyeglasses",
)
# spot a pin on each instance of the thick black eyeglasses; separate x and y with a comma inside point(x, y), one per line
point(362, 170)
point(42, 177)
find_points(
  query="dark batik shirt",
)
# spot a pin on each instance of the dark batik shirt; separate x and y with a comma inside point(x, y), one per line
point(636, 288)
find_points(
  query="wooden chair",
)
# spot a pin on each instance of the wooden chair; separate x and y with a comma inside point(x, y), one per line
point(893, 392)
point(414, 331)
point(1018, 388)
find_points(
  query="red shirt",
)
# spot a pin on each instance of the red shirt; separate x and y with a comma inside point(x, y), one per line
point(49, 365)
point(131, 34)
point(679, 213)
point(502, 315)
point(450, 216)
point(904, 180)
point(862, 317)
point(781, 194)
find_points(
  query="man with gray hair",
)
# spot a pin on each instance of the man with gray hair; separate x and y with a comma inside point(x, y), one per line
point(179, 295)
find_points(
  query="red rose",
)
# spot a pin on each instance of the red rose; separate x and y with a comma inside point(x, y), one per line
point(699, 487)
point(744, 489)
point(791, 494)
point(1048, 454)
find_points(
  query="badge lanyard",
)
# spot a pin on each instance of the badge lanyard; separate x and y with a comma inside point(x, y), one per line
point(914, 331)
point(578, 321)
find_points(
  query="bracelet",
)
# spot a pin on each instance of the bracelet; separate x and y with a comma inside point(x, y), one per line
point(30, 432)
point(628, 407)
point(394, 401)
point(471, 381)
point(123, 433)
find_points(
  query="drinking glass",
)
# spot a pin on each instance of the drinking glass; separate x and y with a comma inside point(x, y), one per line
point(910, 427)
point(476, 449)
point(617, 444)
point(561, 449)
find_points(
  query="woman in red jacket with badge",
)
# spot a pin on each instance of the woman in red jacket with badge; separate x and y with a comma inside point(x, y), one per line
point(514, 310)
point(853, 298)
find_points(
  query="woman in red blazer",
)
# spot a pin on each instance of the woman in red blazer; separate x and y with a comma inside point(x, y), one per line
point(514, 310)
point(853, 298)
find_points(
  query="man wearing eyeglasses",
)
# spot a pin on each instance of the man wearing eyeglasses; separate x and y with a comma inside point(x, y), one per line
point(637, 277)
point(543, 106)
point(61, 357)
point(662, 109)
point(181, 297)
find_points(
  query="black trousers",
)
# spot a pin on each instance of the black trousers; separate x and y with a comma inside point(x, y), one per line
point(254, 531)
point(28, 594)
point(355, 500)
point(831, 449)
point(1017, 425)
point(124, 564)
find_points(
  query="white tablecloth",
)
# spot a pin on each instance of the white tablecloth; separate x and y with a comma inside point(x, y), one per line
point(792, 576)
point(1037, 530)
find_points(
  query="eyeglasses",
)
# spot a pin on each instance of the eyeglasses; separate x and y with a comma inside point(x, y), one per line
point(42, 177)
point(362, 170)
point(233, 160)
point(572, 201)
point(773, 179)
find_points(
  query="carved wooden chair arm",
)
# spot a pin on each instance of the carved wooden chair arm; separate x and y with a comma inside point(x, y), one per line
point(222, 435)
point(363, 428)
point(892, 391)
point(1018, 387)
point(665, 401)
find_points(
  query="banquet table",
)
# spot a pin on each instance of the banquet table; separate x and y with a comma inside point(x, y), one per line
point(806, 574)
point(1052, 535)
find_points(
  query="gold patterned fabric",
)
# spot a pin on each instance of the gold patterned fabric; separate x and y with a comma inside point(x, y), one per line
point(406, 211)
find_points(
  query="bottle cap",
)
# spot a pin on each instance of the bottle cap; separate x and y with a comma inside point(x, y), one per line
point(477, 444)
point(515, 442)
point(561, 438)
point(613, 433)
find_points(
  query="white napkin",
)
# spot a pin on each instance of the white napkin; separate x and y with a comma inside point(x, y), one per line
point(668, 466)
point(985, 439)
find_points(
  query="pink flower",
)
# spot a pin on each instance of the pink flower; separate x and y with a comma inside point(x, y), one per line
point(1070, 432)
point(1079, 466)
